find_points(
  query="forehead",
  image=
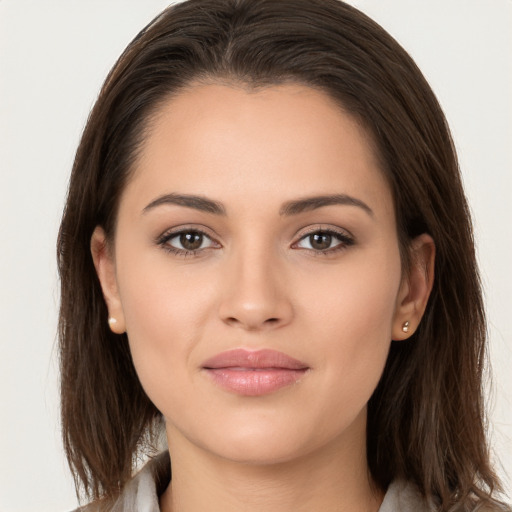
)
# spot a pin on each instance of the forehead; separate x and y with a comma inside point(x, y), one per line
point(274, 143)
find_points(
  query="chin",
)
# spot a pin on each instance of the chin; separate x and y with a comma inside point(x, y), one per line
point(262, 452)
point(268, 443)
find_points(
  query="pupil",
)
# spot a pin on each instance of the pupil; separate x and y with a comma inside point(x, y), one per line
point(320, 241)
point(191, 241)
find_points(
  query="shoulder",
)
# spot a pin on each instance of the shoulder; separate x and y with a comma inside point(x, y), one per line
point(403, 496)
point(142, 492)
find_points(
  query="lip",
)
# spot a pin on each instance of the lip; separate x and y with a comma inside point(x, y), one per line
point(254, 373)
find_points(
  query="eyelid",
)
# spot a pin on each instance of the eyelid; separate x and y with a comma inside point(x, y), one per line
point(163, 239)
point(186, 228)
point(346, 238)
point(324, 228)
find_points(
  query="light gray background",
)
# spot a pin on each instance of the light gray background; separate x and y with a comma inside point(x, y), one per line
point(54, 57)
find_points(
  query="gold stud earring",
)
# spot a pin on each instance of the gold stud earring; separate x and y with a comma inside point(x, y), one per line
point(405, 326)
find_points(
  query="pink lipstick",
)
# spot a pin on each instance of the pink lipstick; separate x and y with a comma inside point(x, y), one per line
point(253, 373)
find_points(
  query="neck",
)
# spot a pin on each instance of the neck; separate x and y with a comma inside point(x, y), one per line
point(333, 478)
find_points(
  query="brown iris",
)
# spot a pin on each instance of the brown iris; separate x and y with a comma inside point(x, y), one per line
point(191, 240)
point(320, 241)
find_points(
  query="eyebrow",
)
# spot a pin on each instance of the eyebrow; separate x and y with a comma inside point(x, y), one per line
point(312, 203)
point(288, 209)
point(190, 201)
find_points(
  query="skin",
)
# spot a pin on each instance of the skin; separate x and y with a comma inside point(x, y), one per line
point(258, 282)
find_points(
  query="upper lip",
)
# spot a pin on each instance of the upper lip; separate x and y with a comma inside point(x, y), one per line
point(243, 358)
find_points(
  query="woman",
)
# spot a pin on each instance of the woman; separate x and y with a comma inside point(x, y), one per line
point(266, 251)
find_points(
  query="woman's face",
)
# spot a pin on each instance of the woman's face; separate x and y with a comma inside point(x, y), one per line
point(256, 271)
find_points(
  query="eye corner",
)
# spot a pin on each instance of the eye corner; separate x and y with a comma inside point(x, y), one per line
point(195, 246)
point(329, 234)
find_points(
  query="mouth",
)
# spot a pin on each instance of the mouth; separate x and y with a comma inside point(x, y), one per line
point(254, 373)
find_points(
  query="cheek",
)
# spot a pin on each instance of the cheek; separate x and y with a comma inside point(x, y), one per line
point(353, 324)
point(166, 312)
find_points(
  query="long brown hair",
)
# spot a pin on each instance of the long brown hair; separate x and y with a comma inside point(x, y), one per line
point(426, 418)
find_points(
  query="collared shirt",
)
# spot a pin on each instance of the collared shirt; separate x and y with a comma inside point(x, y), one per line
point(142, 492)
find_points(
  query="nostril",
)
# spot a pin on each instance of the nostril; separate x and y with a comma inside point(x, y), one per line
point(233, 321)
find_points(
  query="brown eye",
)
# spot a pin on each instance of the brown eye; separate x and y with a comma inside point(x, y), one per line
point(191, 241)
point(320, 241)
point(325, 241)
point(187, 242)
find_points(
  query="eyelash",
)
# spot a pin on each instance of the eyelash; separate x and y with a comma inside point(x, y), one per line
point(164, 239)
point(344, 239)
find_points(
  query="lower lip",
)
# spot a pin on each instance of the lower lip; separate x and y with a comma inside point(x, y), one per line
point(254, 382)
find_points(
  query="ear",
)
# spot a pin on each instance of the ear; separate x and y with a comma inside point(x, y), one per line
point(106, 270)
point(415, 288)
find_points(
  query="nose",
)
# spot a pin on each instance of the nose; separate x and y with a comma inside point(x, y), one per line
point(255, 293)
